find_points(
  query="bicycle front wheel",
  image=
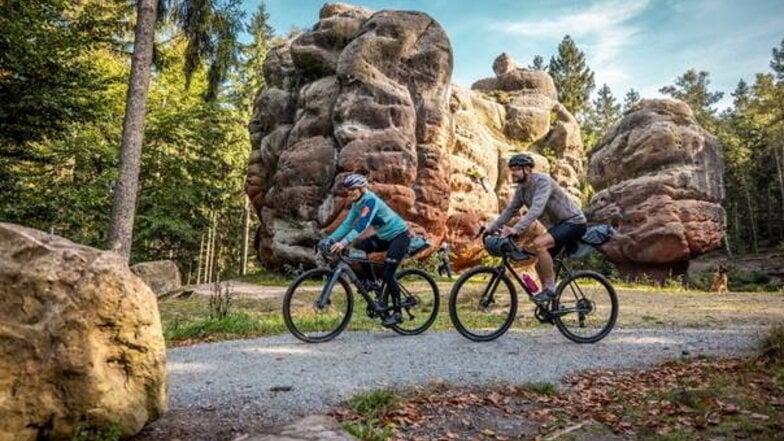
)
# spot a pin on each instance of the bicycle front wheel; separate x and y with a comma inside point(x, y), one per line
point(418, 300)
point(483, 304)
point(586, 307)
point(303, 317)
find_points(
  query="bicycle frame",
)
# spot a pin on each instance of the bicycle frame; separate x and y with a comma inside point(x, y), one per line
point(506, 265)
point(344, 267)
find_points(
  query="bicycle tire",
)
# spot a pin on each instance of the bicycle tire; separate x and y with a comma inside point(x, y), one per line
point(464, 325)
point(427, 301)
point(597, 285)
point(308, 328)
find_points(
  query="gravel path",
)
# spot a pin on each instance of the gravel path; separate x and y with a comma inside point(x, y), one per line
point(279, 378)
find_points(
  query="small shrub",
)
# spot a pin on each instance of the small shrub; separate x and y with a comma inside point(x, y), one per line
point(771, 346)
point(542, 388)
point(111, 433)
point(220, 300)
point(374, 404)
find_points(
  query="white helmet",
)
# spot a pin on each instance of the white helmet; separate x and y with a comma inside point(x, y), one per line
point(355, 180)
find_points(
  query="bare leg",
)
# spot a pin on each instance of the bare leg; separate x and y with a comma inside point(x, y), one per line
point(544, 261)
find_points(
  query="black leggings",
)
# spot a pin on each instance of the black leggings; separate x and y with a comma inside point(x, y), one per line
point(396, 250)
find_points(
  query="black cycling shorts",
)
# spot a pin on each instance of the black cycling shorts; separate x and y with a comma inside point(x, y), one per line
point(564, 234)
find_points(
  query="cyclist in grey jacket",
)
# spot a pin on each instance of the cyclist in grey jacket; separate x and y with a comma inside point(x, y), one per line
point(548, 202)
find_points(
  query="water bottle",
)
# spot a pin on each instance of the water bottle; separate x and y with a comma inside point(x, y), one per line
point(529, 283)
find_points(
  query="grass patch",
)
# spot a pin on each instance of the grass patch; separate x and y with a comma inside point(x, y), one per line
point(771, 346)
point(110, 433)
point(370, 408)
point(542, 388)
point(266, 278)
point(186, 321)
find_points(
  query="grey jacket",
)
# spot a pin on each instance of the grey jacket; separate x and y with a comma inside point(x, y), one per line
point(543, 196)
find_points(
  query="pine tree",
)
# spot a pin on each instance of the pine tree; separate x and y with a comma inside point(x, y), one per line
point(692, 88)
point(538, 63)
point(211, 32)
point(573, 79)
point(249, 77)
point(777, 63)
point(629, 100)
point(603, 114)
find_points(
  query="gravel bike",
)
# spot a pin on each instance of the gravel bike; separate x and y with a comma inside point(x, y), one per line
point(319, 303)
point(483, 301)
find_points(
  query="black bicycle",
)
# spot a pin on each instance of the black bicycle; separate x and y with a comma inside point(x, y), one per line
point(483, 302)
point(319, 303)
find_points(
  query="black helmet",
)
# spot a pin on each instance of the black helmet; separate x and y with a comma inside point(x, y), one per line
point(521, 160)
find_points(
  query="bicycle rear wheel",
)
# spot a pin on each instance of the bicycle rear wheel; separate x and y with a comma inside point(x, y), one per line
point(304, 319)
point(419, 301)
point(586, 307)
point(483, 304)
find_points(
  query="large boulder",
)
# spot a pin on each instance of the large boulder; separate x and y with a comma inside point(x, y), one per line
point(80, 340)
point(161, 276)
point(658, 180)
point(516, 111)
point(370, 92)
point(360, 91)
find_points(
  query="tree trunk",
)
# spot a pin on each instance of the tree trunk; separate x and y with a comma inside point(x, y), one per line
point(245, 234)
point(124, 205)
point(754, 242)
point(780, 172)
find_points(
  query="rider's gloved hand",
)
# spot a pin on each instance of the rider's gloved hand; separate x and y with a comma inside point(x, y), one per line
point(337, 247)
point(325, 244)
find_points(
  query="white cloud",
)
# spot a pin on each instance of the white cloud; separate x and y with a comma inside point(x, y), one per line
point(602, 30)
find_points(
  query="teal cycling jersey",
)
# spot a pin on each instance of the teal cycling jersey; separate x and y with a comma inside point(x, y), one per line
point(369, 210)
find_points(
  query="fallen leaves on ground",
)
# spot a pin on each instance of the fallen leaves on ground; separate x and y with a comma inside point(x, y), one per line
point(695, 397)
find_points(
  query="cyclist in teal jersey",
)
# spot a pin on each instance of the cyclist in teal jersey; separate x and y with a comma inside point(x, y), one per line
point(391, 234)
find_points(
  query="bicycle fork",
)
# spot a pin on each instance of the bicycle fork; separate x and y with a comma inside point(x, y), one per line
point(323, 300)
point(487, 297)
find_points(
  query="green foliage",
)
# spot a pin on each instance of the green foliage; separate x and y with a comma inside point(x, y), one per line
point(573, 79)
point(538, 63)
point(771, 346)
point(371, 406)
point(631, 98)
point(57, 175)
point(111, 433)
point(542, 388)
point(48, 77)
point(600, 118)
point(692, 88)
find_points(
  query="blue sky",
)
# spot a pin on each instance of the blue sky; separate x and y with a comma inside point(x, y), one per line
point(644, 44)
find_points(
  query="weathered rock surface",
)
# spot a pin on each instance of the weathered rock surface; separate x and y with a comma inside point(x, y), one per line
point(659, 180)
point(161, 276)
point(370, 92)
point(80, 340)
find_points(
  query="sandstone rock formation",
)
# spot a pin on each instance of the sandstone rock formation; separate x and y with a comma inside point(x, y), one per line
point(359, 92)
point(80, 340)
point(513, 112)
point(161, 276)
point(371, 92)
point(658, 179)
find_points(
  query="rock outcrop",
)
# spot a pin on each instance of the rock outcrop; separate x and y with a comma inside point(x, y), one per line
point(161, 276)
point(658, 179)
point(359, 92)
point(80, 340)
point(370, 92)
